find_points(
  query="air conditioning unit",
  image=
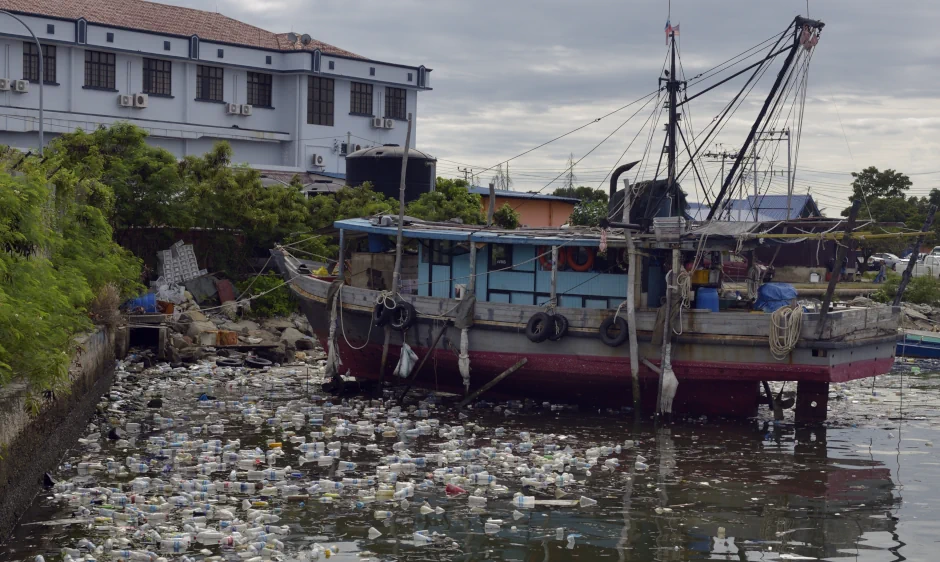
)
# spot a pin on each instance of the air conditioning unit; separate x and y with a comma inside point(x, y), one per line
point(389, 124)
point(21, 86)
point(5, 84)
point(125, 100)
point(316, 160)
point(378, 123)
point(233, 109)
point(246, 109)
point(141, 100)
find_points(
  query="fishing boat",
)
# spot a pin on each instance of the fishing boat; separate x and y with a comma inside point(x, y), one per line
point(633, 313)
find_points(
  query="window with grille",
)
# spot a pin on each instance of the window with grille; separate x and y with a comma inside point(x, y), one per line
point(360, 98)
point(259, 89)
point(208, 83)
point(395, 103)
point(99, 70)
point(319, 101)
point(31, 63)
point(158, 77)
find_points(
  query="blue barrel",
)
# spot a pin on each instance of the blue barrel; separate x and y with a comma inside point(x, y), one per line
point(148, 302)
point(707, 298)
point(378, 243)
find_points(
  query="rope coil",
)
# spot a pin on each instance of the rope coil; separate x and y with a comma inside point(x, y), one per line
point(785, 326)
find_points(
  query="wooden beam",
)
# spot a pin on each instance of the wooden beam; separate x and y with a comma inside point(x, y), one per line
point(837, 268)
point(494, 382)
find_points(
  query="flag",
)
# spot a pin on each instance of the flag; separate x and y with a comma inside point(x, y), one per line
point(671, 31)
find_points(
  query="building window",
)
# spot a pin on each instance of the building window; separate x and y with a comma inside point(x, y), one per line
point(194, 47)
point(395, 103)
point(320, 101)
point(220, 53)
point(99, 70)
point(81, 28)
point(208, 83)
point(259, 89)
point(316, 60)
point(371, 71)
point(31, 63)
point(360, 99)
point(500, 256)
point(166, 45)
point(267, 59)
point(109, 37)
point(50, 29)
point(332, 65)
point(157, 77)
point(410, 76)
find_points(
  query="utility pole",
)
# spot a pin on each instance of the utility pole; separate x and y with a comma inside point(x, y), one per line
point(466, 173)
point(349, 148)
point(571, 178)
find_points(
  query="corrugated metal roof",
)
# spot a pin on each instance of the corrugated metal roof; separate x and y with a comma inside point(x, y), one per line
point(485, 191)
point(769, 208)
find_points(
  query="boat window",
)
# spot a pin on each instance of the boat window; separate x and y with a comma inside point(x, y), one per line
point(438, 252)
point(500, 256)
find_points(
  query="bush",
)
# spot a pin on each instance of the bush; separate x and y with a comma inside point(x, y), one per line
point(277, 302)
point(921, 290)
point(506, 217)
point(589, 213)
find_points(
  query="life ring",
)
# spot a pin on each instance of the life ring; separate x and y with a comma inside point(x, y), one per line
point(573, 259)
point(545, 258)
point(616, 339)
point(539, 327)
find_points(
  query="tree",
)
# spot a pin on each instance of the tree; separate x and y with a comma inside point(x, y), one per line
point(871, 183)
point(506, 217)
point(584, 193)
point(588, 213)
point(450, 200)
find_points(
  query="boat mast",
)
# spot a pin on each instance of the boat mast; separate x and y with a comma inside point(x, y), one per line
point(672, 86)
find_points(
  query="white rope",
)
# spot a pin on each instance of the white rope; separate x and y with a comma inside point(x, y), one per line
point(753, 281)
point(339, 296)
point(785, 326)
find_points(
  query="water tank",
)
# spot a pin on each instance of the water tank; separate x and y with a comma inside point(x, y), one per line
point(381, 165)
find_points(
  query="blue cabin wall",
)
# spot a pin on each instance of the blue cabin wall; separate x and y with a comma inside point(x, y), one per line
point(525, 283)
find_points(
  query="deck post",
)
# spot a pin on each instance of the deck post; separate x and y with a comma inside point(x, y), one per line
point(812, 400)
point(837, 268)
point(667, 325)
point(491, 208)
point(341, 266)
point(915, 252)
point(554, 301)
point(632, 276)
point(472, 282)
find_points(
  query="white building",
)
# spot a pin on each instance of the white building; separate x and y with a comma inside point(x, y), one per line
point(191, 78)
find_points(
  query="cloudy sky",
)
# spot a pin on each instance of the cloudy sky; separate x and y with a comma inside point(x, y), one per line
point(511, 74)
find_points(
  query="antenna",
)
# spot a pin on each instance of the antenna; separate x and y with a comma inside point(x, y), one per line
point(305, 39)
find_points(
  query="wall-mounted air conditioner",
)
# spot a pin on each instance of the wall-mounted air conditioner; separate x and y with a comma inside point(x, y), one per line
point(389, 124)
point(5, 84)
point(316, 160)
point(378, 123)
point(125, 100)
point(141, 100)
point(21, 86)
point(233, 109)
point(246, 109)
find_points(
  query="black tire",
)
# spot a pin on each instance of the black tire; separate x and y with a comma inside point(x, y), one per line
point(403, 316)
point(539, 327)
point(380, 315)
point(228, 362)
point(561, 327)
point(614, 339)
point(257, 362)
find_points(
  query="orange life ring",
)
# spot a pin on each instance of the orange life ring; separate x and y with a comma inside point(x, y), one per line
point(545, 258)
point(573, 259)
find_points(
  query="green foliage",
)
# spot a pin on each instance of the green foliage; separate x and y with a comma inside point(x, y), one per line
point(584, 193)
point(872, 183)
point(450, 200)
point(588, 213)
point(277, 302)
point(921, 290)
point(506, 217)
point(56, 253)
point(350, 202)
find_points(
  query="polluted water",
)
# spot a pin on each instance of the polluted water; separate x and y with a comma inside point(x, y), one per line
point(219, 463)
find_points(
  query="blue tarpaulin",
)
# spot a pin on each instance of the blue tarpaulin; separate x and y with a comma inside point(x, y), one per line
point(772, 296)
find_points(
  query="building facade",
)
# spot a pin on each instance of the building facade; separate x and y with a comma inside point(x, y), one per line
point(191, 78)
point(535, 209)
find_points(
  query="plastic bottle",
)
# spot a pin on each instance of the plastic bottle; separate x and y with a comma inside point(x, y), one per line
point(383, 515)
point(374, 533)
point(476, 501)
point(523, 502)
point(587, 502)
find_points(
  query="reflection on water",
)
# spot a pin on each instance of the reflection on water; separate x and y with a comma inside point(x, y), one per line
point(861, 488)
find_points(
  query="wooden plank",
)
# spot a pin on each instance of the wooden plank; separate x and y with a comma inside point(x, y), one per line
point(494, 382)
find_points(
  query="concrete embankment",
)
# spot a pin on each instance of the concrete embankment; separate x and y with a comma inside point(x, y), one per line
point(35, 431)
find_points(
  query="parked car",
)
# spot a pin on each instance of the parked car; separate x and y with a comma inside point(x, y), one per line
point(890, 260)
point(928, 266)
point(735, 267)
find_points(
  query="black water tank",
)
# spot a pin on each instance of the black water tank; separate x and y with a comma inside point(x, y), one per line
point(381, 165)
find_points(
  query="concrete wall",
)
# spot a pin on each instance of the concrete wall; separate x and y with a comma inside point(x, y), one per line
point(31, 445)
point(270, 137)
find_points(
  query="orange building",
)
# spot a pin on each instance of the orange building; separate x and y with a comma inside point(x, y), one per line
point(535, 209)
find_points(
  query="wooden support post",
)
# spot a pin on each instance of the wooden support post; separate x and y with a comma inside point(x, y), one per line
point(915, 252)
point(812, 399)
point(652, 366)
point(492, 205)
point(414, 374)
point(837, 268)
point(554, 301)
point(341, 266)
point(472, 282)
point(632, 273)
point(494, 382)
point(667, 324)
